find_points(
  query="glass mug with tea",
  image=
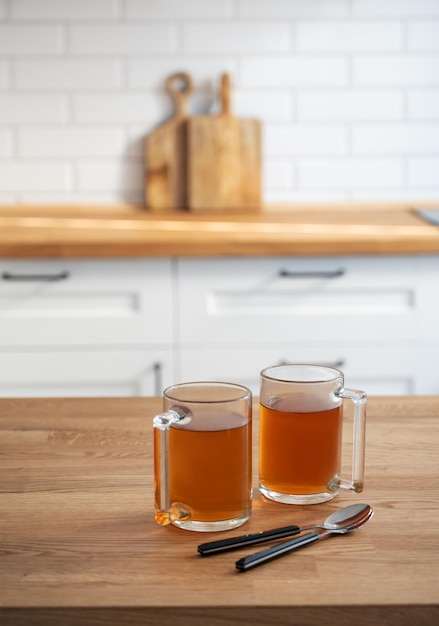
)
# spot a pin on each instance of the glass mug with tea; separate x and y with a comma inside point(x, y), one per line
point(300, 438)
point(203, 456)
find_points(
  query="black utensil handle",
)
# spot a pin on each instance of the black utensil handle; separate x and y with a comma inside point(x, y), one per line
point(226, 545)
point(253, 560)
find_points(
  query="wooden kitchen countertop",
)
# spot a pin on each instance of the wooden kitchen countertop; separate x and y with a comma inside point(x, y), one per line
point(79, 544)
point(132, 231)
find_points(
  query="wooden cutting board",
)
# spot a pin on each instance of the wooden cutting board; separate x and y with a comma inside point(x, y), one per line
point(224, 159)
point(166, 152)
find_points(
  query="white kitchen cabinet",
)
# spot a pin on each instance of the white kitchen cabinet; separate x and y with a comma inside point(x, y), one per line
point(426, 365)
point(427, 344)
point(85, 372)
point(427, 293)
point(369, 316)
point(85, 328)
point(377, 370)
point(261, 301)
point(69, 302)
point(132, 327)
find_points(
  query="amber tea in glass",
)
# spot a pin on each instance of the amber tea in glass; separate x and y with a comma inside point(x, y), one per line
point(300, 436)
point(202, 456)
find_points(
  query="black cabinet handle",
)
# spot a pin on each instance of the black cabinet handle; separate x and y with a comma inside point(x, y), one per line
point(34, 277)
point(283, 273)
point(157, 369)
point(339, 364)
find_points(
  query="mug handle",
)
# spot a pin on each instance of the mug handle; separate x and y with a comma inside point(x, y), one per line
point(359, 398)
point(165, 513)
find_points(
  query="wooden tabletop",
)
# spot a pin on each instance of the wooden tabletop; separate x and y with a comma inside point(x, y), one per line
point(79, 544)
point(131, 231)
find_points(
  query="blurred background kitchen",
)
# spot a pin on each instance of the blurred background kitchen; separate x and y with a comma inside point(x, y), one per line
point(347, 90)
point(348, 95)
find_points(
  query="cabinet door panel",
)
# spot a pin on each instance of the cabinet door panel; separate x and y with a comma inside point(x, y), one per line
point(106, 373)
point(285, 299)
point(428, 298)
point(427, 358)
point(63, 303)
point(386, 370)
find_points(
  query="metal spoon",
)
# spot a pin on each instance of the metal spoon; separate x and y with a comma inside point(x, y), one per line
point(354, 516)
point(333, 521)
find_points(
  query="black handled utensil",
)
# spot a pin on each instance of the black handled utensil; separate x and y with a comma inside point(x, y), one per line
point(234, 543)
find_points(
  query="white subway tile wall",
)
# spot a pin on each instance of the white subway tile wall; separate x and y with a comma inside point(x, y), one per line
point(347, 90)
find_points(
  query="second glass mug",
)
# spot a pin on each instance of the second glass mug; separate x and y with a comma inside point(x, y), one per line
point(300, 437)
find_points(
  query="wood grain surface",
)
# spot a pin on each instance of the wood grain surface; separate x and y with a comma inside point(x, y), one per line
point(224, 158)
point(166, 151)
point(79, 544)
point(295, 230)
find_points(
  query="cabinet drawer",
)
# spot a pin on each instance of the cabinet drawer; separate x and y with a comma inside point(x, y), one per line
point(378, 371)
point(62, 303)
point(284, 299)
point(427, 356)
point(105, 373)
point(428, 298)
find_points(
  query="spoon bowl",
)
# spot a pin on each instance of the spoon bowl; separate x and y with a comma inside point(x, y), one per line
point(347, 519)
